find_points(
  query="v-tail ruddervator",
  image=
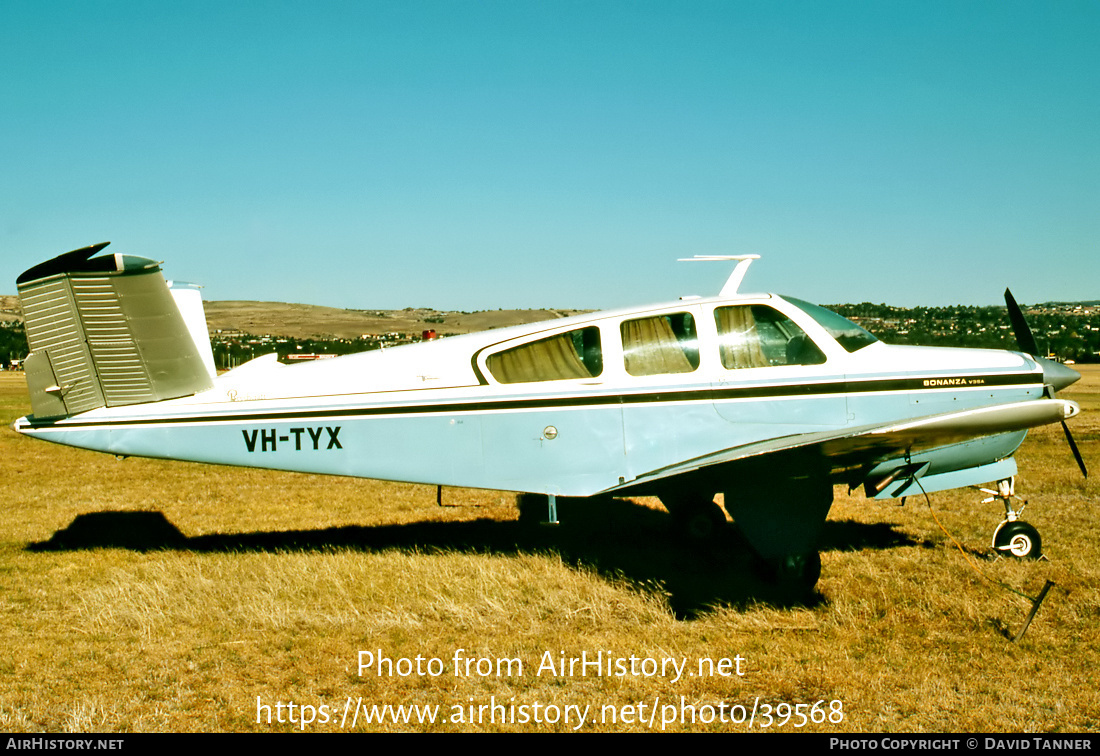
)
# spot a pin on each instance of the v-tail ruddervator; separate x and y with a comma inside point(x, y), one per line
point(766, 399)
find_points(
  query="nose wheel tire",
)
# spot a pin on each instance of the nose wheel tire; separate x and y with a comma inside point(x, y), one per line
point(1018, 539)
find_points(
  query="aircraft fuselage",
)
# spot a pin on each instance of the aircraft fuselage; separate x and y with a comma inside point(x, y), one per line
point(449, 412)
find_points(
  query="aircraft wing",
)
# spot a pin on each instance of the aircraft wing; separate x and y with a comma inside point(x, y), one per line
point(869, 444)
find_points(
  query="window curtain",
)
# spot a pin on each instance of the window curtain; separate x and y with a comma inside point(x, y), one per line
point(738, 338)
point(651, 348)
point(553, 359)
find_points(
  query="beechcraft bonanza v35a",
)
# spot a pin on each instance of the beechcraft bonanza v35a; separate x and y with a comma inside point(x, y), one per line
point(769, 400)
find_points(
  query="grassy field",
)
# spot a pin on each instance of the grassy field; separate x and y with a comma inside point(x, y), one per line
point(143, 595)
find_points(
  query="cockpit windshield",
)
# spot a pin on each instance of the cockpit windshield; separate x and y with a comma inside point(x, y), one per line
point(847, 334)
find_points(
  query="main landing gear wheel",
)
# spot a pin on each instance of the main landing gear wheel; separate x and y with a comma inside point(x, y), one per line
point(697, 517)
point(703, 522)
point(799, 573)
point(1018, 539)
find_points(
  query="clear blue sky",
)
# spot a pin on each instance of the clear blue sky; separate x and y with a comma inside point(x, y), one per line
point(476, 155)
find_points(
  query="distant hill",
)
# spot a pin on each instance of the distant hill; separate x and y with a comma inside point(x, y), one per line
point(9, 308)
point(302, 321)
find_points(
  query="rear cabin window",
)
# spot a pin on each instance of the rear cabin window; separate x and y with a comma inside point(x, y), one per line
point(571, 355)
point(751, 336)
point(661, 344)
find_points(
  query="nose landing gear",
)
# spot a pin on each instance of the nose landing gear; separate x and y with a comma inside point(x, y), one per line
point(1013, 537)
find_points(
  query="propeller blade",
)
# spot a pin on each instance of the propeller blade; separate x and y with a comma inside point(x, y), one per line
point(1054, 374)
point(1073, 448)
point(1024, 338)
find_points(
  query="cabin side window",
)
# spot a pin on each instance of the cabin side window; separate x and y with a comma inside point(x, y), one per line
point(661, 344)
point(575, 354)
point(752, 336)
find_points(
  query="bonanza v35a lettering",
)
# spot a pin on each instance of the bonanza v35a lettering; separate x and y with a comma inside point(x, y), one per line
point(768, 400)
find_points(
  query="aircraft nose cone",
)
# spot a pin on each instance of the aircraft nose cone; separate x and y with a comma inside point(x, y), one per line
point(1056, 374)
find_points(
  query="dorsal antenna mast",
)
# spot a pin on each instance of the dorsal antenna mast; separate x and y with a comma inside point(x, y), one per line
point(739, 270)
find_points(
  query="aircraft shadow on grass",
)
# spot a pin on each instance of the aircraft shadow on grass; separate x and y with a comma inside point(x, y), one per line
point(618, 540)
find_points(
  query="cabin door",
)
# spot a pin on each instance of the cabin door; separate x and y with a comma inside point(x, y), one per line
point(772, 379)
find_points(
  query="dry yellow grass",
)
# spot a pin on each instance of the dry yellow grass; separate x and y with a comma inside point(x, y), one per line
point(275, 582)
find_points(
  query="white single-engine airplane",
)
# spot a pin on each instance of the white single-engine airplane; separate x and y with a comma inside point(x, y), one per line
point(769, 400)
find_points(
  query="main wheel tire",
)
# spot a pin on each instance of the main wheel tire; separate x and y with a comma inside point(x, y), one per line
point(698, 518)
point(702, 522)
point(1018, 539)
point(799, 572)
